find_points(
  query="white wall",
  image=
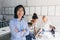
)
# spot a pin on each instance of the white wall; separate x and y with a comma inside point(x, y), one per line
point(1, 5)
point(30, 2)
point(13, 2)
point(1, 2)
point(43, 2)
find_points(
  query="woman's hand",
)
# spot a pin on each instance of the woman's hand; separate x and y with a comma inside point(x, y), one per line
point(16, 30)
point(24, 31)
point(35, 31)
point(40, 30)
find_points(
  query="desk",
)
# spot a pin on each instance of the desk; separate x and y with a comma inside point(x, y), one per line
point(4, 30)
point(5, 33)
point(48, 36)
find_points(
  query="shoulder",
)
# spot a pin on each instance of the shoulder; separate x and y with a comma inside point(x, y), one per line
point(24, 20)
point(12, 20)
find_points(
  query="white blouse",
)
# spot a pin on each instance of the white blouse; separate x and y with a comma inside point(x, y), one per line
point(31, 29)
point(46, 25)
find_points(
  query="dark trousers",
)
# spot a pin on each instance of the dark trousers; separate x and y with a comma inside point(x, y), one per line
point(30, 36)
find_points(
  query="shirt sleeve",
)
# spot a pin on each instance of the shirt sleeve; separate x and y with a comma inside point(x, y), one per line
point(27, 29)
point(12, 29)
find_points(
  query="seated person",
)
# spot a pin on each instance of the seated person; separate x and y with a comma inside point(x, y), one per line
point(34, 22)
point(31, 32)
point(33, 26)
point(45, 29)
point(45, 24)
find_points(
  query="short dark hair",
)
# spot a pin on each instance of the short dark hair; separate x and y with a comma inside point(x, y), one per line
point(16, 9)
point(29, 23)
point(34, 16)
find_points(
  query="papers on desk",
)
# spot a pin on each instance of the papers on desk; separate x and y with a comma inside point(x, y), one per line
point(4, 30)
point(48, 36)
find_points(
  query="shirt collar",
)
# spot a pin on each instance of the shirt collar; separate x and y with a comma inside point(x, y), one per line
point(18, 20)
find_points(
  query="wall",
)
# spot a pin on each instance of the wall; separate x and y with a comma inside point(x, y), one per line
point(1, 5)
point(43, 2)
point(13, 3)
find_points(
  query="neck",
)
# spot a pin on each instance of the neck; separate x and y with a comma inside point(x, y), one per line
point(19, 18)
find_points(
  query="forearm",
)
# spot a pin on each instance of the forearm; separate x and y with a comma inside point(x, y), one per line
point(35, 30)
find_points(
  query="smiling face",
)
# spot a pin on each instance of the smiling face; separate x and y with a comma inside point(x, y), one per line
point(20, 13)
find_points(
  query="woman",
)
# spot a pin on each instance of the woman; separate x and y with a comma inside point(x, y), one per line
point(18, 26)
point(33, 27)
point(45, 23)
point(34, 22)
point(43, 33)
